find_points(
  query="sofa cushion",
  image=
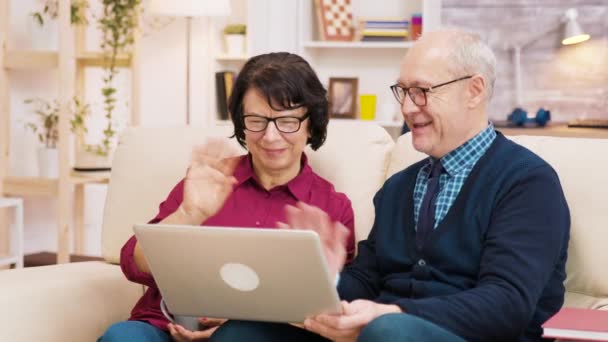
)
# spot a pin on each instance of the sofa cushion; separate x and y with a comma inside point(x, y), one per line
point(355, 159)
point(150, 161)
point(68, 302)
point(147, 164)
point(582, 166)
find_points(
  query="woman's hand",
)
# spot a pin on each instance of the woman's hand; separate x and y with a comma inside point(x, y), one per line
point(181, 334)
point(334, 235)
point(209, 180)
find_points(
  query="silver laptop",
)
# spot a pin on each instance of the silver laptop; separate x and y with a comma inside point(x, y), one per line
point(239, 273)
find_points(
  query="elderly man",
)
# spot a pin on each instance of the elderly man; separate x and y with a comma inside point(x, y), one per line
point(469, 244)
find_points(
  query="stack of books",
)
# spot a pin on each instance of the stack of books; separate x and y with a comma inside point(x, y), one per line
point(383, 30)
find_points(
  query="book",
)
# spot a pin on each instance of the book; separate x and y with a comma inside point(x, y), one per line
point(223, 88)
point(578, 324)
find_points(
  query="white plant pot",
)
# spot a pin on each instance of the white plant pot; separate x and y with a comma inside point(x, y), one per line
point(90, 161)
point(48, 162)
point(235, 44)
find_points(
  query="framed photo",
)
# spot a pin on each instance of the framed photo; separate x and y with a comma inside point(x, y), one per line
point(343, 97)
point(335, 19)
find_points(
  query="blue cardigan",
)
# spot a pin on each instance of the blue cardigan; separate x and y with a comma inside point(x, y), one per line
point(493, 270)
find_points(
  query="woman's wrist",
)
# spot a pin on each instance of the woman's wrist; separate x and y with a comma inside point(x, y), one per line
point(188, 217)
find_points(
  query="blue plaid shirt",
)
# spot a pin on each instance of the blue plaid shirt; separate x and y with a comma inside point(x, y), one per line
point(457, 165)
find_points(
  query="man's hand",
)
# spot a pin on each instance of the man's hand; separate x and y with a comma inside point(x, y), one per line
point(333, 234)
point(181, 334)
point(209, 180)
point(347, 326)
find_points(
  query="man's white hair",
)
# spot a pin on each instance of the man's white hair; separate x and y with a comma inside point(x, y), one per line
point(469, 55)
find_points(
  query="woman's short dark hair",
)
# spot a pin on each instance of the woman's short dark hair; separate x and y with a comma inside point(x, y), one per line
point(287, 81)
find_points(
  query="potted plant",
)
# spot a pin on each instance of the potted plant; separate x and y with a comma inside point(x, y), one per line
point(45, 126)
point(117, 24)
point(234, 37)
point(87, 156)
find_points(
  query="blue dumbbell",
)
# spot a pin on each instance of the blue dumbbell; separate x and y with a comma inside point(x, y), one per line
point(519, 117)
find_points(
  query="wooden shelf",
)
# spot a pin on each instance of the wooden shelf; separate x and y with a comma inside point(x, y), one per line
point(41, 187)
point(31, 59)
point(30, 186)
point(90, 177)
point(557, 130)
point(24, 59)
point(231, 58)
point(96, 59)
point(314, 44)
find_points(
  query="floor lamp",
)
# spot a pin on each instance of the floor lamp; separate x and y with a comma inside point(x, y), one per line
point(572, 34)
point(189, 9)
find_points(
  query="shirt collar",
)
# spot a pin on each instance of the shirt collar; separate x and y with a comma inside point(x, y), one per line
point(299, 186)
point(467, 153)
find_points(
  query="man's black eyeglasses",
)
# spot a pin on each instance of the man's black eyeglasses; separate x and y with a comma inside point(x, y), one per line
point(418, 94)
point(285, 124)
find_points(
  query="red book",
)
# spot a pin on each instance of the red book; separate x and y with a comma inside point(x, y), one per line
point(578, 324)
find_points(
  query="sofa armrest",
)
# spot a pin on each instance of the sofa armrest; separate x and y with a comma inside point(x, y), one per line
point(69, 302)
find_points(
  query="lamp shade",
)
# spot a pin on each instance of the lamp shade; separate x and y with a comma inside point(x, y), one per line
point(189, 8)
point(573, 33)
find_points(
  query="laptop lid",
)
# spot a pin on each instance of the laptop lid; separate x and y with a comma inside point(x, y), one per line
point(239, 273)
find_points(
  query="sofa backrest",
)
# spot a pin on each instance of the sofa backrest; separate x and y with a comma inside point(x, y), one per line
point(150, 161)
point(582, 166)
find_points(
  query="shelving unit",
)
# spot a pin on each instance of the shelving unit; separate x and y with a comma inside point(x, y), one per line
point(375, 64)
point(70, 60)
point(356, 45)
point(222, 61)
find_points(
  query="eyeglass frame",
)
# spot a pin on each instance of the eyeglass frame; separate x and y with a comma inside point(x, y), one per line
point(424, 90)
point(274, 120)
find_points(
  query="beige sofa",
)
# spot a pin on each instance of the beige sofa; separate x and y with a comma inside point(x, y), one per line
point(76, 302)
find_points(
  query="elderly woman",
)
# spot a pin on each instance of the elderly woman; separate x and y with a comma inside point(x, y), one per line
point(277, 106)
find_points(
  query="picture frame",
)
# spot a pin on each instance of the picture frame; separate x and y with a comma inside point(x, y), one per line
point(343, 97)
point(335, 20)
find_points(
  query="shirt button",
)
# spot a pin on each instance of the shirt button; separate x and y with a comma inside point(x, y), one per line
point(421, 263)
point(257, 223)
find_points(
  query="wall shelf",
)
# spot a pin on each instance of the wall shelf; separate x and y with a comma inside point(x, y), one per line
point(96, 59)
point(42, 187)
point(315, 44)
point(30, 186)
point(231, 58)
point(30, 59)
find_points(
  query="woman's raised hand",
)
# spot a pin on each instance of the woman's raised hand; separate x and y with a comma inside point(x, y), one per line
point(209, 180)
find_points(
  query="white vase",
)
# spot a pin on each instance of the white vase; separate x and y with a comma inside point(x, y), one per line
point(48, 162)
point(90, 161)
point(235, 44)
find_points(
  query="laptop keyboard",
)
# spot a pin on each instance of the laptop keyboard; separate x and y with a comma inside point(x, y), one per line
point(589, 123)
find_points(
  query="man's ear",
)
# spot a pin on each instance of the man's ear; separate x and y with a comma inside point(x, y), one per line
point(476, 91)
